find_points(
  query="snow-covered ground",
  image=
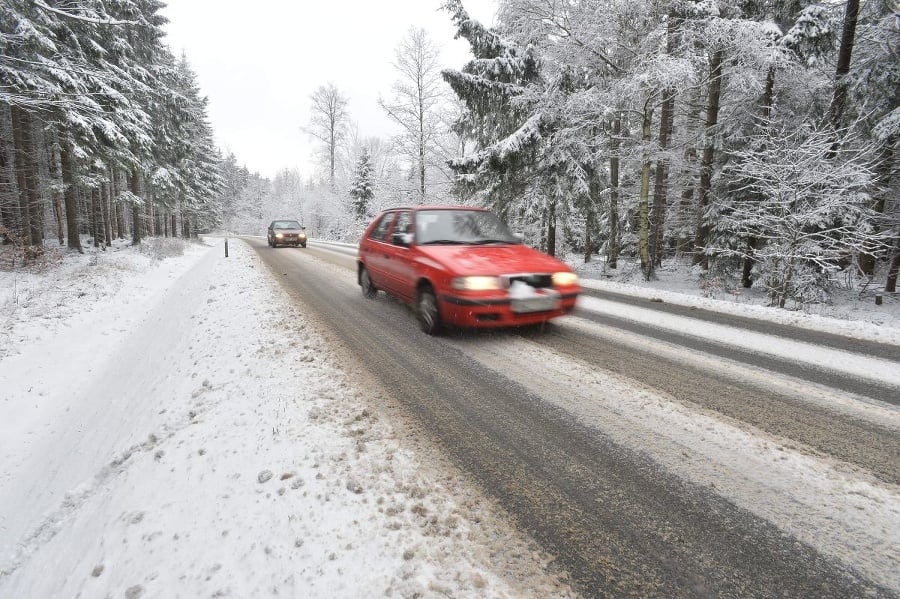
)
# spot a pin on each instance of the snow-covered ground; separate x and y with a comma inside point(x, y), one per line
point(172, 425)
point(176, 427)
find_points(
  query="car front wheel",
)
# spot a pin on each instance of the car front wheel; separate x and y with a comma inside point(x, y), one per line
point(369, 290)
point(427, 308)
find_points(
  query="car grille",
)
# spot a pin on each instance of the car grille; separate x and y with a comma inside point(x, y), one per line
point(538, 281)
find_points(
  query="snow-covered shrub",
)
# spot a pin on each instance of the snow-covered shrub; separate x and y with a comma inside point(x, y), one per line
point(799, 208)
point(160, 248)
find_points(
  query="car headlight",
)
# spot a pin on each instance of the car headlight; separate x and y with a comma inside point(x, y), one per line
point(278, 235)
point(564, 279)
point(480, 283)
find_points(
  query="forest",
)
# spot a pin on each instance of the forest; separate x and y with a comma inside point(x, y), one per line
point(755, 140)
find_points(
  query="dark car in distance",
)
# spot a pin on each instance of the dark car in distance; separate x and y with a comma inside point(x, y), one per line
point(462, 266)
point(286, 232)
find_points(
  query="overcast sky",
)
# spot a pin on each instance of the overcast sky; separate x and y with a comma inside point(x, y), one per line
point(258, 62)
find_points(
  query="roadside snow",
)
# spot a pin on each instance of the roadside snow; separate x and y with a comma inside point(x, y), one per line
point(177, 428)
point(851, 312)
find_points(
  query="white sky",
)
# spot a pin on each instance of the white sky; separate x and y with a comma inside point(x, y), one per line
point(258, 62)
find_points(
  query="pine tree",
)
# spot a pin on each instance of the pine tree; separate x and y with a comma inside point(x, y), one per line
point(361, 190)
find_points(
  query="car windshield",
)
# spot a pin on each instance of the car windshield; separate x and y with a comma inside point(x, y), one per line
point(286, 224)
point(461, 227)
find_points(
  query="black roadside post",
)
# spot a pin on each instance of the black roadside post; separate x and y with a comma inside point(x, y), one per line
point(226, 247)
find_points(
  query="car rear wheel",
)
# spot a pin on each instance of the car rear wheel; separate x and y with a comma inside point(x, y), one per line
point(428, 313)
point(369, 290)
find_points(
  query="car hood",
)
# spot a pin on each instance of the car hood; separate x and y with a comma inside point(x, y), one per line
point(492, 259)
point(290, 231)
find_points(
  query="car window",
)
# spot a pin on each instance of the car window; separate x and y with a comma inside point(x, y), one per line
point(404, 223)
point(286, 224)
point(469, 227)
point(381, 229)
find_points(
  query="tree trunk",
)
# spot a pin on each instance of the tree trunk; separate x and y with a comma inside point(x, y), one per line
point(839, 98)
point(644, 198)
point(421, 147)
point(148, 211)
point(121, 184)
point(768, 100)
point(29, 198)
point(891, 285)
point(94, 209)
point(551, 228)
point(137, 212)
point(612, 251)
point(56, 168)
point(686, 218)
point(706, 164)
point(70, 194)
point(885, 171)
point(9, 202)
point(661, 181)
point(590, 217)
point(108, 213)
point(24, 216)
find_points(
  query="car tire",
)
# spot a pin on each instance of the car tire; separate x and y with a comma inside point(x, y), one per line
point(303, 245)
point(369, 290)
point(427, 311)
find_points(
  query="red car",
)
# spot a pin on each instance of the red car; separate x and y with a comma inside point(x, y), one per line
point(462, 266)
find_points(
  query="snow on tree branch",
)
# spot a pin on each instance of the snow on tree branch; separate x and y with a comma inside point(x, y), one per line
point(94, 20)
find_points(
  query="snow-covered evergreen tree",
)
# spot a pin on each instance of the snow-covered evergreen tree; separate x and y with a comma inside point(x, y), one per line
point(362, 188)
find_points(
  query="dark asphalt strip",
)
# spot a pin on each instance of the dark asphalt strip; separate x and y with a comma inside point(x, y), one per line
point(620, 525)
point(800, 370)
point(867, 348)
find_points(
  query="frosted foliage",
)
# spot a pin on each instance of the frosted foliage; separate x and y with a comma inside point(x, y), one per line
point(813, 34)
point(806, 211)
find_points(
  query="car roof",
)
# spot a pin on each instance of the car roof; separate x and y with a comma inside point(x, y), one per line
point(437, 207)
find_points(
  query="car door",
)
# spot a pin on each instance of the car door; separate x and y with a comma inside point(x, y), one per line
point(398, 266)
point(375, 251)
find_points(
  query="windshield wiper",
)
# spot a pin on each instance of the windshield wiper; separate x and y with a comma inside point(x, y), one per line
point(444, 242)
point(487, 241)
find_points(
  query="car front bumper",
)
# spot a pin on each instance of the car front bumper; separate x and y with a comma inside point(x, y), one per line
point(504, 311)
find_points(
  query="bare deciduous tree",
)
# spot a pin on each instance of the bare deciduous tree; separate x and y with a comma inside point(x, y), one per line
point(328, 121)
point(417, 99)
